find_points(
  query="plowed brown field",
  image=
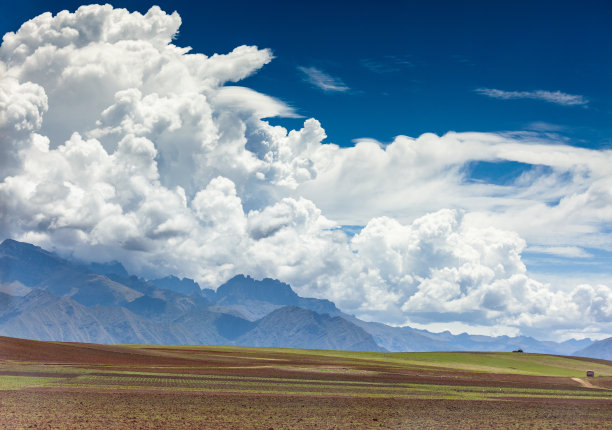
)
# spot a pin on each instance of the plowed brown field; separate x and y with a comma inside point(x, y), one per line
point(68, 385)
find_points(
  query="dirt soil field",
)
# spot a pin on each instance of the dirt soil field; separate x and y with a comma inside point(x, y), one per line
point(49, 385)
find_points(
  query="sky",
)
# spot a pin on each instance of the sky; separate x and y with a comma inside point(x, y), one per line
point(443, 165)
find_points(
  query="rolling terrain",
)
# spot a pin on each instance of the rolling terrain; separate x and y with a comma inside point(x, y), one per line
point(74, 385)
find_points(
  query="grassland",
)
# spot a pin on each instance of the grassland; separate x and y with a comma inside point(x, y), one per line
point(59, 385)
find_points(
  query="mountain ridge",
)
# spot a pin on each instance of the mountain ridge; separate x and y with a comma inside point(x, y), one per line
point(242, 311)
point(68, 301)
point(600, 349)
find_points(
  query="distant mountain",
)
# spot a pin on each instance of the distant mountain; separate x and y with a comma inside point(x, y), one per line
point(43, 296)
point(599, 349)
point(468, 342)
point(184, 286)
point(255, 299)
point(18, 258)
point(43, 316)
point(67, 301)
point(293, 327)
point(34, 267)
point(242, 287)
point(398, 339)
point(110, 268)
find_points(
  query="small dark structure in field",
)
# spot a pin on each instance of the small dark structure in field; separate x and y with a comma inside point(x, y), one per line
point(518, 350)
point(590, 373)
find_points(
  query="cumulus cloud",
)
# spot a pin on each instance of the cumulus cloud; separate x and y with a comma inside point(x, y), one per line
point(556, 97)
point(322, 80)
point(563, 199)
point(443, 268)
point(119, 145)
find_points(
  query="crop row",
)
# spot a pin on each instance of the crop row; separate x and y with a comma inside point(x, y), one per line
point(273, 386)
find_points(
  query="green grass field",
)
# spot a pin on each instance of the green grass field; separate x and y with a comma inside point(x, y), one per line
point(490, 362)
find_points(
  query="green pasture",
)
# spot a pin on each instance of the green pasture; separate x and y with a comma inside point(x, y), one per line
point(489, 362)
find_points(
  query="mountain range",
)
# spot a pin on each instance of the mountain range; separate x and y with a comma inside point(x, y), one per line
point(46, 297)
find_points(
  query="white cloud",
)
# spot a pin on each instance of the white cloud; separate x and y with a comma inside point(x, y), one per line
point(252, 103)
point(561, 251)
point(322, 80)
point(566, 204)
point(21, 105)
point(123, 146)
point(556, 97)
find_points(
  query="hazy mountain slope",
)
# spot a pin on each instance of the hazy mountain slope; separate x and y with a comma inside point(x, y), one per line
point(7, 306)
point(468, 342)
point(241, 288)
point(599, 349)
point(255, 299)
point(110, 268)
point(126, 327)
point(14, 288)
point(398, 339)
point(43, 316)
point(293, 327)
point(99, 290)
point(34, 267)
point(18, 258)
point(46, 297)
point(36, 299)
point(213, 328)
point(69, 302)
point(184, 286)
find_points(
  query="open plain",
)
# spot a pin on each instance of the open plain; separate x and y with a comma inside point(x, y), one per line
point(71, 385)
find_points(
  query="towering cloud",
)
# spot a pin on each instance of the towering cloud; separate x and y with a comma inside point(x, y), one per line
point(117, 144)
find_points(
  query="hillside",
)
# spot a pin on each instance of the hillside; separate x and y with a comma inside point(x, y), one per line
point(599, 349)
point(68, 385)
point(294, 327)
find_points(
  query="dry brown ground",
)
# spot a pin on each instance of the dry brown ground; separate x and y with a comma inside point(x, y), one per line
point(98, 410)
point(147, 406)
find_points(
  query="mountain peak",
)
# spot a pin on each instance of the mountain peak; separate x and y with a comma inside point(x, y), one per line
point(295, 327)
point(184, 286)
point(242, 287)
point(15, 245)
point(29, 264)
point(109, 268)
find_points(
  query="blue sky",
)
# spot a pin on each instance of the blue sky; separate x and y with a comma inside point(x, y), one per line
point(506, 105)
point(412, 67)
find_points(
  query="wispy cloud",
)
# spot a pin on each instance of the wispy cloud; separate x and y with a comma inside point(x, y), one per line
point(387, 64)
point(560, 251)
point(556, 97)
point(322, 80)
point(462, 59)
point(379, 66)
point(545, 126)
